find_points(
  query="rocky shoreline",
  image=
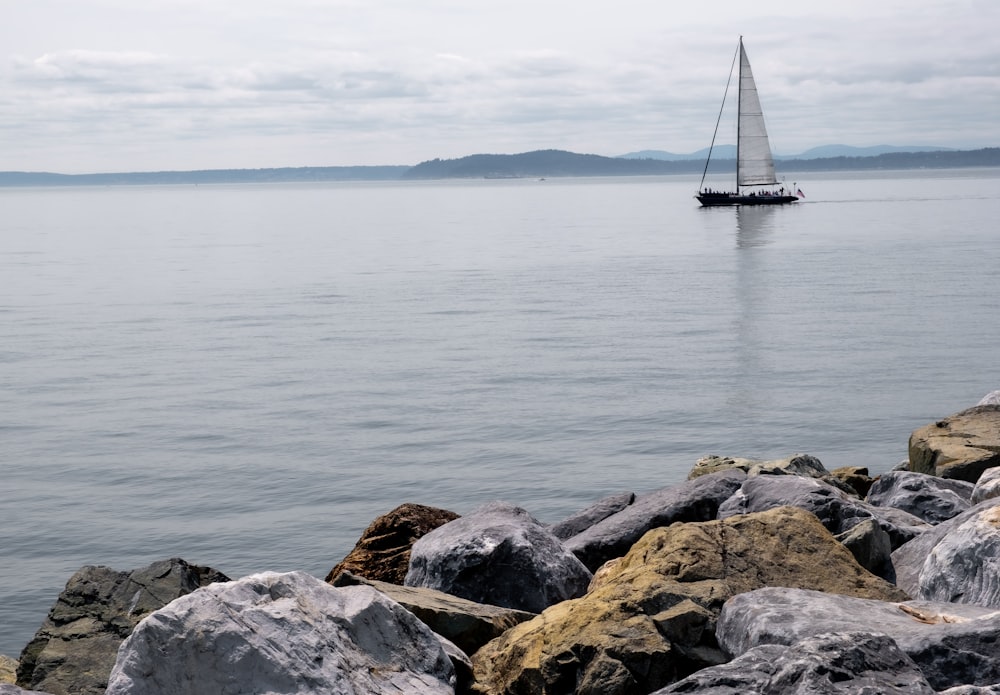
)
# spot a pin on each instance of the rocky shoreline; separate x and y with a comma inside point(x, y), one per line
point(766, 577)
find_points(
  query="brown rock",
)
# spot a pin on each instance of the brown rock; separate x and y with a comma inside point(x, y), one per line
point(650, 618)
point(383, 551)
point(856, 479)
point(960, 446)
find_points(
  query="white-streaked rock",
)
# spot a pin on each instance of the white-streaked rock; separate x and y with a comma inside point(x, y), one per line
point(953, 644)
point(846, 663)
point(499, 555)
point(282, 633)
point(987, 487)
point(964, 567)
point(925, 496)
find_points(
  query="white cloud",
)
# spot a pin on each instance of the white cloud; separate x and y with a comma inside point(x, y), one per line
point(112, 85)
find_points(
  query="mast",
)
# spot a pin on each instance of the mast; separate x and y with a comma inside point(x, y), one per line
point(739, 111)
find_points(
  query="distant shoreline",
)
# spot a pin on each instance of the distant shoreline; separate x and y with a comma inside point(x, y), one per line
point(539, 163)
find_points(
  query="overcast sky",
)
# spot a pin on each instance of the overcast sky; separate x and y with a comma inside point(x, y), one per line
point(141, 85)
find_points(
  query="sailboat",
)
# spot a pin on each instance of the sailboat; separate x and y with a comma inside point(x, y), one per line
point(756, 183)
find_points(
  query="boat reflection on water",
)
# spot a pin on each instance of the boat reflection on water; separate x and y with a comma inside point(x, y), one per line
point(754, 225)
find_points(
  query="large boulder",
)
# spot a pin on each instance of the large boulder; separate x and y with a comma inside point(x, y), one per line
point(650, 620)
point(282, 633)
point(838, 511)
point(909, 560)
point(695, 500)
point(500, 555)
point(924, 496)
point(960, 446)
point(952, 644)
point(468, 624)
point(847, 663)
point(964, 566)
point(73, 651)
point(383, 551)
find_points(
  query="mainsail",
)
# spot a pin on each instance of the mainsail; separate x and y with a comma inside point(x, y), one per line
point(754, 165)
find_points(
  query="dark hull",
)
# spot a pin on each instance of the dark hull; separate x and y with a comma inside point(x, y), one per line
point(719, 199)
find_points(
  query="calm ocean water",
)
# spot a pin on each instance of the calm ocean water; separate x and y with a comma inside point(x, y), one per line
point(245, 376)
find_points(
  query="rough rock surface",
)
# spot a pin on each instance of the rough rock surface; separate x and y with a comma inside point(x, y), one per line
point(871, 547)
point(500, 555)
point(854, 477)
point(73, 651)
point(798, 464)
point(8, 667)
point(695, 500)
point(964, 566)
point(924, 496)
point(909, 559)
point(960, 446)
point(383, 551)
point(468, 624)
point(651, 619)
point(952, 644)
point(837, 511)
point(11, 689)
point(282, 633)
point(585, 518)
point(987, 487)
point(848, 663)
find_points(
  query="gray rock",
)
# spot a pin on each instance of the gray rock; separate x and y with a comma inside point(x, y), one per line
point(838, 511)
point(11, 689)
point(849, 663)
point(282, 633)
point(871, 547)
point(500, 555)
point(585, 518)
point(694, 500)
point(964, 566)
point(952, 644)
point(925, 496)
point(972, 690)
point(987, 487)
point(75, 648)
point(468, 624)
point(908, 560)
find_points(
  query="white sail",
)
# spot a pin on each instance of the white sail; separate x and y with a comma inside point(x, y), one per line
point(754, 165)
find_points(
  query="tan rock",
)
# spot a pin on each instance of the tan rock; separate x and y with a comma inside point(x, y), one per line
point(650, 618)
point(8, 668)
point(383, 551)
point(960, 446)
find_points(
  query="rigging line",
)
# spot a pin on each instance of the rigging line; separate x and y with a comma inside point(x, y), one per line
point(719, 119)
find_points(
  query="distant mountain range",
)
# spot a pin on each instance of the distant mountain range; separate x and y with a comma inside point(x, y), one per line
point(543, 163)
point(539, 163)
point(729, 152)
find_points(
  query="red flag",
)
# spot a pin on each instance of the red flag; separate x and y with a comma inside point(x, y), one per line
point(800, 194)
